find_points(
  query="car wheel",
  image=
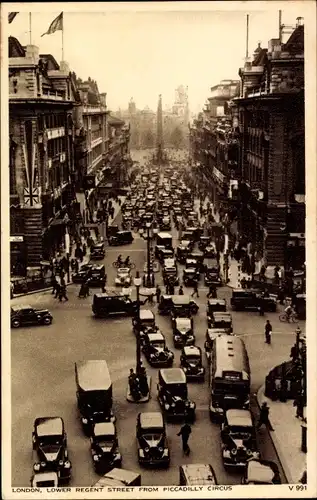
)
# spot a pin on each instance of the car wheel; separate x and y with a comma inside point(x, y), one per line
point(15, 323)
point(47, 320)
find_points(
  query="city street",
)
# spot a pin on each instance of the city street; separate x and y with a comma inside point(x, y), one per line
point(43, 382)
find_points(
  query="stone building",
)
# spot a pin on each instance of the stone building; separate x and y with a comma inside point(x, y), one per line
point(269, 118)
point(42, 95)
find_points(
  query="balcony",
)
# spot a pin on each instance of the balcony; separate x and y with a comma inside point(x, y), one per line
point(96, 142)
point(56, 95)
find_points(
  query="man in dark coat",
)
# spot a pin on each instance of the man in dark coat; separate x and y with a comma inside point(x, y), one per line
point(268, 332)
point(185, 432)
point(264, 417)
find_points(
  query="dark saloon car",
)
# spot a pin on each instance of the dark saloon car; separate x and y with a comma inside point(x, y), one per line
point(121, 238)
point(177, 306)
point(190, 276)
point(261, 472)
point(197, 474)
point(111, 303)
point(45, 480)
point(97, 251)
point(152, 442)
point(104, 447)
point(145, 322)
point(25, 315)
point(94, 393)
point(220, 320)
point(50, 444)
point(155, 350)
point(97, 276)
point(215, 305)
point(238, 439)
point(183, 333)
point(191, 363)
point(173, 395)
point(183, 250)
point(251, 299)
point(203, 242)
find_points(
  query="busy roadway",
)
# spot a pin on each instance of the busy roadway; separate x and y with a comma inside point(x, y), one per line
point(43, 377)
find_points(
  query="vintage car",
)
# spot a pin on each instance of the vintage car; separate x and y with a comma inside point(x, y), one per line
point(111, 303)
point(83, 274)
point(104, 447)
point(183, 250)
point(123, 277)
point(238, 438)
point(190, 276)
point(203, 242)
point(220, 319)
point(212, 276)
point(197, 256)
point(94, 393)
point(261, 472)
point(183, 331)
point(151, 439)
point(145, 322)
point(119, 478)
point(25, 315)
point(210, 251)
point(177, 306)
point(97, 251)
point(211, 335)
point(170, 272)
point(194, 474)
point(164, 253)
point(121, 238)
point(155, 349)
point(173, 395)
point(49, 441)
point(215, 305)
point(192, 264)
point(251, 299)
point(45, 480)
point(97, 276)
point(191, 363)
point(165, 224)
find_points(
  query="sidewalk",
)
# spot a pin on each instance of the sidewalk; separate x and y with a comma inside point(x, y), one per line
point(286, 436)
point(86, 259)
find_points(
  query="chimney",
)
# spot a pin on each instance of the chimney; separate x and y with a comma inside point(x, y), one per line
point(32, 52)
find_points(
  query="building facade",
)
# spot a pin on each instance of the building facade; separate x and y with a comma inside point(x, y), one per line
point(269, 116)
point(42, 95)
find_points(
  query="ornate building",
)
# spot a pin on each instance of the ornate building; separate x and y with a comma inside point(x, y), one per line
point(269, 115)
point(42, 95)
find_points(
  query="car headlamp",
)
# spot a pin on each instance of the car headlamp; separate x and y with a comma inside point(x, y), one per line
point(36, 467)
point(234, 451)
point(84, 421)
point(173, 405)
point(167, 406)
point(147, 449)
point(185, 368)
point(96, 458)
point(67, 464)
point(60, 462)
point(43, 464)
point(249, 452)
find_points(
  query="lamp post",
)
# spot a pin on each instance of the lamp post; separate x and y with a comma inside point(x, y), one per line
point(137, 283)
point(148, 236)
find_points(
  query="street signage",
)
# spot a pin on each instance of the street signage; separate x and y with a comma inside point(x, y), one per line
point(16, 239)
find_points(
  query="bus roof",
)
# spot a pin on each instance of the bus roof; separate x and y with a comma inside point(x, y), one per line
point(93, 375)
point(231, 355)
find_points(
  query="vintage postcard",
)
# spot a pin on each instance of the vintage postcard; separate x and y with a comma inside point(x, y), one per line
point(158, 249)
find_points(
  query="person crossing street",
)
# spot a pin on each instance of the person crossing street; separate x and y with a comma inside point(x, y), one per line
point(195, 291)
point(185, 432)
point(268, 332)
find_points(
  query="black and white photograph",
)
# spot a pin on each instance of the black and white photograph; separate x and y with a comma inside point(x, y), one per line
point(158, 248)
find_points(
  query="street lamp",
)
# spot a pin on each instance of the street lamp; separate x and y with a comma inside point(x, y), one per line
point(137, 284)
point(148, 236)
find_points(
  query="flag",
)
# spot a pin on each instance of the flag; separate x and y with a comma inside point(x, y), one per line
point(11, 16)
point(55, 25)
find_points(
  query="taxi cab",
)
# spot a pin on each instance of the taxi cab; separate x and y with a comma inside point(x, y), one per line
point(261, 472)
point(197, 474)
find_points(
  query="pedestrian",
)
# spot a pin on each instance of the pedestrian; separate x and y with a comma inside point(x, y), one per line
point(185, 432)
point(62, 293)
point(158, 293)
point(300, 403)
point(268, 332)
point(54, 283)
point(261, 306)
point(103, 284)
point(195, 291)
point(181, 291)
point(57, 289)
point(210, 291)
point(264, 417)
point(76, 266)
point(84, 249)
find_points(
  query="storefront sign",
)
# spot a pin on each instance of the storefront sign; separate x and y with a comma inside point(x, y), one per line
point(16, 239)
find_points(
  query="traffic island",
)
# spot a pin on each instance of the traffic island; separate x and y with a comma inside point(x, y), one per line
point(143, 399)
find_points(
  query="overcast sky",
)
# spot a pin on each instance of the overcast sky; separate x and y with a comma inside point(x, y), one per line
point(139, 50)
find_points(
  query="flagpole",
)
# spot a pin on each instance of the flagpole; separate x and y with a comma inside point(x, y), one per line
point(30, 27)
point(63, 38)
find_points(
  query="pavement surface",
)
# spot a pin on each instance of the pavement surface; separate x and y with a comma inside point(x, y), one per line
point(43, 382)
